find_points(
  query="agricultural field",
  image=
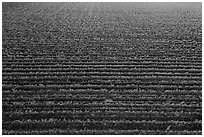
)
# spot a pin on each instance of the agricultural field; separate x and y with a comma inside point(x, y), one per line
point(102, 68)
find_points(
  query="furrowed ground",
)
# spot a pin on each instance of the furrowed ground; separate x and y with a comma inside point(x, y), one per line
point(101, 68)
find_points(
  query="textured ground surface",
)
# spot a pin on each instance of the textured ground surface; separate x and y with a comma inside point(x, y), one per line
point(102, 68)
